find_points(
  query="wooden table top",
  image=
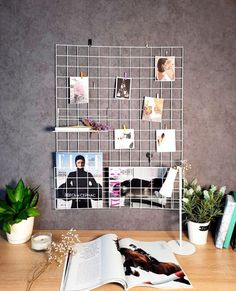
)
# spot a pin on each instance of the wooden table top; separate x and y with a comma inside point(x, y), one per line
point(208, 268)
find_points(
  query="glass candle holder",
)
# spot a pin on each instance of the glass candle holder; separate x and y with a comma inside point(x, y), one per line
point(41, 241)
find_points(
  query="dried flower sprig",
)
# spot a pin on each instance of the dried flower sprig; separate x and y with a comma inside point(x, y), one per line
point(186, 165)
point(99, 126)
point(58, 250)
point(55, 254)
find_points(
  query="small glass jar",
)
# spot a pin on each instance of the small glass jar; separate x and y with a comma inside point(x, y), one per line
point(41, 241)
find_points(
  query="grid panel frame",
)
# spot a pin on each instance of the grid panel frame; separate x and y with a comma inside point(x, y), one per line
point(102, 64)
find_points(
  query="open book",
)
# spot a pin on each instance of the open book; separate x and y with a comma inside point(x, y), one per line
point(128, 262)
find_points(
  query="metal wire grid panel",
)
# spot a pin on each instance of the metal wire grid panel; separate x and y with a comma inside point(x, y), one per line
point(102, 65)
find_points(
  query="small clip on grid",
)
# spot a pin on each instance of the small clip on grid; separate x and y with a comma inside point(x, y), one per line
point(124, 128)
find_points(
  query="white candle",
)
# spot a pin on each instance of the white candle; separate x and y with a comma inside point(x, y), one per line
point(41, 241)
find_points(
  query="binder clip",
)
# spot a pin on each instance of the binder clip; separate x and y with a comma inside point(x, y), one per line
point(125, 76)
point(90, 42)
point(81, 75)
point(149, 156)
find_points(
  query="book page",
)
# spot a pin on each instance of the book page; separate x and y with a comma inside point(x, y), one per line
point(95, 263)
point(112, 265)
point(151, 264)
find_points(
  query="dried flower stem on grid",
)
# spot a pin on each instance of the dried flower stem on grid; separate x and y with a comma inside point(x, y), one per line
point(55, 254)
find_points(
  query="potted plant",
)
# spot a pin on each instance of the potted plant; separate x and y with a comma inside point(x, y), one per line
point(17, 212)
point(201, 206)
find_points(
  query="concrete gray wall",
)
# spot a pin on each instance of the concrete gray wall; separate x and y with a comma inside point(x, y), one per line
point(29, 31)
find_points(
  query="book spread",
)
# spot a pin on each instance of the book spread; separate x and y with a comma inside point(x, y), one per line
point(127, 262)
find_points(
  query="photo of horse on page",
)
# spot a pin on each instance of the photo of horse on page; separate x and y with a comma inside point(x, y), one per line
point(137, 261)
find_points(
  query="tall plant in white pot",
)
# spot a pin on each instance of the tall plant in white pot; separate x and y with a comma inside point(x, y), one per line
point(201, 206)
point(17, 212)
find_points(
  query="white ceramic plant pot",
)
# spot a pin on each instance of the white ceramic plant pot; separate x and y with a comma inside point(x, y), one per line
point(21, 232)
point(198, 232)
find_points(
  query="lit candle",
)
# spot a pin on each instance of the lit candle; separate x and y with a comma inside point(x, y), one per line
point(41, 241)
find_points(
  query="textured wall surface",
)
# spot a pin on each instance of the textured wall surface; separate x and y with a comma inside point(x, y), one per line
point(30, 29)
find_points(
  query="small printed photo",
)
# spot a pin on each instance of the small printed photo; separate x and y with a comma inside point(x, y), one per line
point(124, 139)
point(152, 109)
point(165, 68)
point(165, 140)
point(79, 90)
point(123, 88)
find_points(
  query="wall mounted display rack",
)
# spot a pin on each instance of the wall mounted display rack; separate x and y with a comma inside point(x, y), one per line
point(107, 98)
point(115, 88)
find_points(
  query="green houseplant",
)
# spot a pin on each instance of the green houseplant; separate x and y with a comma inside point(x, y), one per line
point(201, 206)
point(19, 205)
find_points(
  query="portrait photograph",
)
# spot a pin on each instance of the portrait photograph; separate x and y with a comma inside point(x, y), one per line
point(165, 140)
point(123, 88)
point(79, 90)
point(164, 68)
point(79, 178)
point(124, 139)
point(152, 109)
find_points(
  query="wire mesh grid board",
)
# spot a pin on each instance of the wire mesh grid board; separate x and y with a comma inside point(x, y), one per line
point(120, 110)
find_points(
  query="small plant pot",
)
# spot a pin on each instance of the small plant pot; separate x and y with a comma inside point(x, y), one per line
point(21, 232)
point(198, 232)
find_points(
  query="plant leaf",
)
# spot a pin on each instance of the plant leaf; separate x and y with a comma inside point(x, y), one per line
point(34, 200)
point(26, 202)
point(7, 218)
point(22, 215)
point(6, 227)
point(19, 191)
point(17, 206)
point(5, 208)
point(2, 209)
point(17, 220)
point(10, 193)
point(33, 212)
